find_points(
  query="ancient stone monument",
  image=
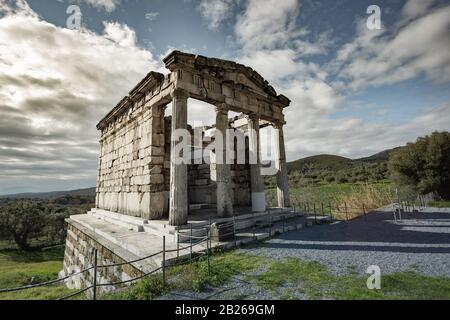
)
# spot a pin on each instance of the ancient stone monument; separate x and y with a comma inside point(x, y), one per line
point(142, 193)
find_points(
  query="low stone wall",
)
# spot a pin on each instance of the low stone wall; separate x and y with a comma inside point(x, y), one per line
point(79, 255)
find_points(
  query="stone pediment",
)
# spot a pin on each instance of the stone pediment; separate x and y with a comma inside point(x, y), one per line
point(224, 70)
point(211, 80)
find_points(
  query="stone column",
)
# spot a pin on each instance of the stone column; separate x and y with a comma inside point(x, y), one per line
point(223, 172)
point(178, 212)
point(280, 164)
point(256, 180)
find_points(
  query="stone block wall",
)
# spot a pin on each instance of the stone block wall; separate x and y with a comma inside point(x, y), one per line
point(134, 167)
point(79, 255)
point(202, 187)
point(132, 163)
point(240, 175)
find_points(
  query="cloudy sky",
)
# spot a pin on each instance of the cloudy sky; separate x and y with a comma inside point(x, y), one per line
point(354, 91)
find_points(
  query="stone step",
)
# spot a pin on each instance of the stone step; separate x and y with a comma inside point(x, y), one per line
point(199, 206)
point(135, 223)
point(119, 216)
point(119, 222)
point(169, 233)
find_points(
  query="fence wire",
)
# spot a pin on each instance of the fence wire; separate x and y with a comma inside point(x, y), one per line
point(207, 227)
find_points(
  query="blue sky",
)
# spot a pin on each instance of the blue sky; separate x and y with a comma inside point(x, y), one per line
point(354, 91)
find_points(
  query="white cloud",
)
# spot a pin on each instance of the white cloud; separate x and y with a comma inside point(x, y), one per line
point(319, 47)
point(354, 137)
point(18, 7)
point(273, 64)
point(216, 11)
point(267, 24)
point(106, 5)
point(274, 45)
point(120, 33)
point(413, 9)
point(55, 85)
point(151, 15)
point(420, 47)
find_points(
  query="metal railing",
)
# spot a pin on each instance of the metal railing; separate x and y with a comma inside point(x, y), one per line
point(235, 223)
point(96, 267)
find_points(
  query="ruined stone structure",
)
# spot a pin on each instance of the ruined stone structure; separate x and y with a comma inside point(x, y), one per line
point(137, 182)
point(136, 176)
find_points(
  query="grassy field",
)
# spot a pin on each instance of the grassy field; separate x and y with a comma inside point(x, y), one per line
point(324, 193)
point(290, 275)
point(315, 282)
point(19, 268)
point(439, 204)
point(353, 196)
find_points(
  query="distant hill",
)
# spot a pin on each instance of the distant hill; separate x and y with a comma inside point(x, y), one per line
point(52, 194)
point(333, 163)
point(380, 156)
point(322, 161)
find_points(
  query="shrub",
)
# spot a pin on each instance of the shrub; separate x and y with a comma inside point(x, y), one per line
point(367, 196)
point(425, 164)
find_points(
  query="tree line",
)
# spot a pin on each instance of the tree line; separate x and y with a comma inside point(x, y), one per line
point(423, 166)
point(25, 220)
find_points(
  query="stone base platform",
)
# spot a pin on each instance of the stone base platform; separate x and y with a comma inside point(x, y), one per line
point(119, 238)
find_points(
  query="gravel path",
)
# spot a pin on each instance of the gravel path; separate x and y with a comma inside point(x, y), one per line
point(420, 242)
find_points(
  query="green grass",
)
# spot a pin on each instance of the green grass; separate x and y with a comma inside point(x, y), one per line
point(313, 280)
point(321, 193)
point(192, 276)
point(439, 204)
point(288, 277)
point(19, 268)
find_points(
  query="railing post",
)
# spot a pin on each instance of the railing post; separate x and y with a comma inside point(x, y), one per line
point(178, 241)
point(331, 213)
point(315, 217)
point(208, 247)
point(364, 211)
point(190, 242)
point(94, 294)
point(323, 213)
point(209, 235)
point(295, 219)
point(270, 224)
point(346, 211)
point(253, 228)
point(164, 262)
point(234, 230)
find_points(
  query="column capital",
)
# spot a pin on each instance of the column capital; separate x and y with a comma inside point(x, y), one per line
point(252, 116)
point(278, 124)
point(221, 108)
point(179, 92)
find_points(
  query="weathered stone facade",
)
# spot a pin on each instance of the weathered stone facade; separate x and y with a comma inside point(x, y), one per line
point(136, 176)
point(79, 255)
point(138, 180)
point(130, 177)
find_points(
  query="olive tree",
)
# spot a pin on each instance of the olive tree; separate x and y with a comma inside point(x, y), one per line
point(23, 219)
point(424, 165)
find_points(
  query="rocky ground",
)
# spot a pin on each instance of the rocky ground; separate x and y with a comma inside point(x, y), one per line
point(419, 242)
